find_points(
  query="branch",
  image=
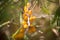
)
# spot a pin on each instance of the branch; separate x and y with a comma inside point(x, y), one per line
point(4, 23)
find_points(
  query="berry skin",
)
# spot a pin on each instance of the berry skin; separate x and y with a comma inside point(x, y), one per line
point(24, 22)
point(32, 18)
point(26, 18)
point(19, 36)
point(31, 29)
point(25, 26)
point(28, 5)
point(30, 12)
point(25, 9)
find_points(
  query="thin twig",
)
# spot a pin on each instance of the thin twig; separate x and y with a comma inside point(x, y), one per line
point(4, 23)
point(34, 5)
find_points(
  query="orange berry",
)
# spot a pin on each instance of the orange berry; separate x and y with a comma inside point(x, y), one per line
point(24, 14)
point(28, 5)
point(30, 12)
point(25, 18)
point(22, 30)
point(25, 26)
point(24, 22)
point(25, 9)
point(19, 36)
point(31, 29)
point(32, 18)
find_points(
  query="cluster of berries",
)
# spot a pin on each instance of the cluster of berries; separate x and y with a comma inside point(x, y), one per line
point(27, 22)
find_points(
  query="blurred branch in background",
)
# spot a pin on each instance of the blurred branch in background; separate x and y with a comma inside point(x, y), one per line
point(5, 23)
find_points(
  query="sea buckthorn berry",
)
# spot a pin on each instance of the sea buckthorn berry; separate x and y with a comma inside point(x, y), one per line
point(25, 26)
point(28, 5)
point(31, 29)
point(25, 18)
point(30, 12)
point(24, 22)
point(32, 18)
point(22, 30)
point(25, 9)
point(24, 15)
point(19, 36)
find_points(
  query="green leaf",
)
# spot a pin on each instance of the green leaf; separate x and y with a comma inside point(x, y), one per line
point(45, 10)
point(57, 15)
point(26, 2)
